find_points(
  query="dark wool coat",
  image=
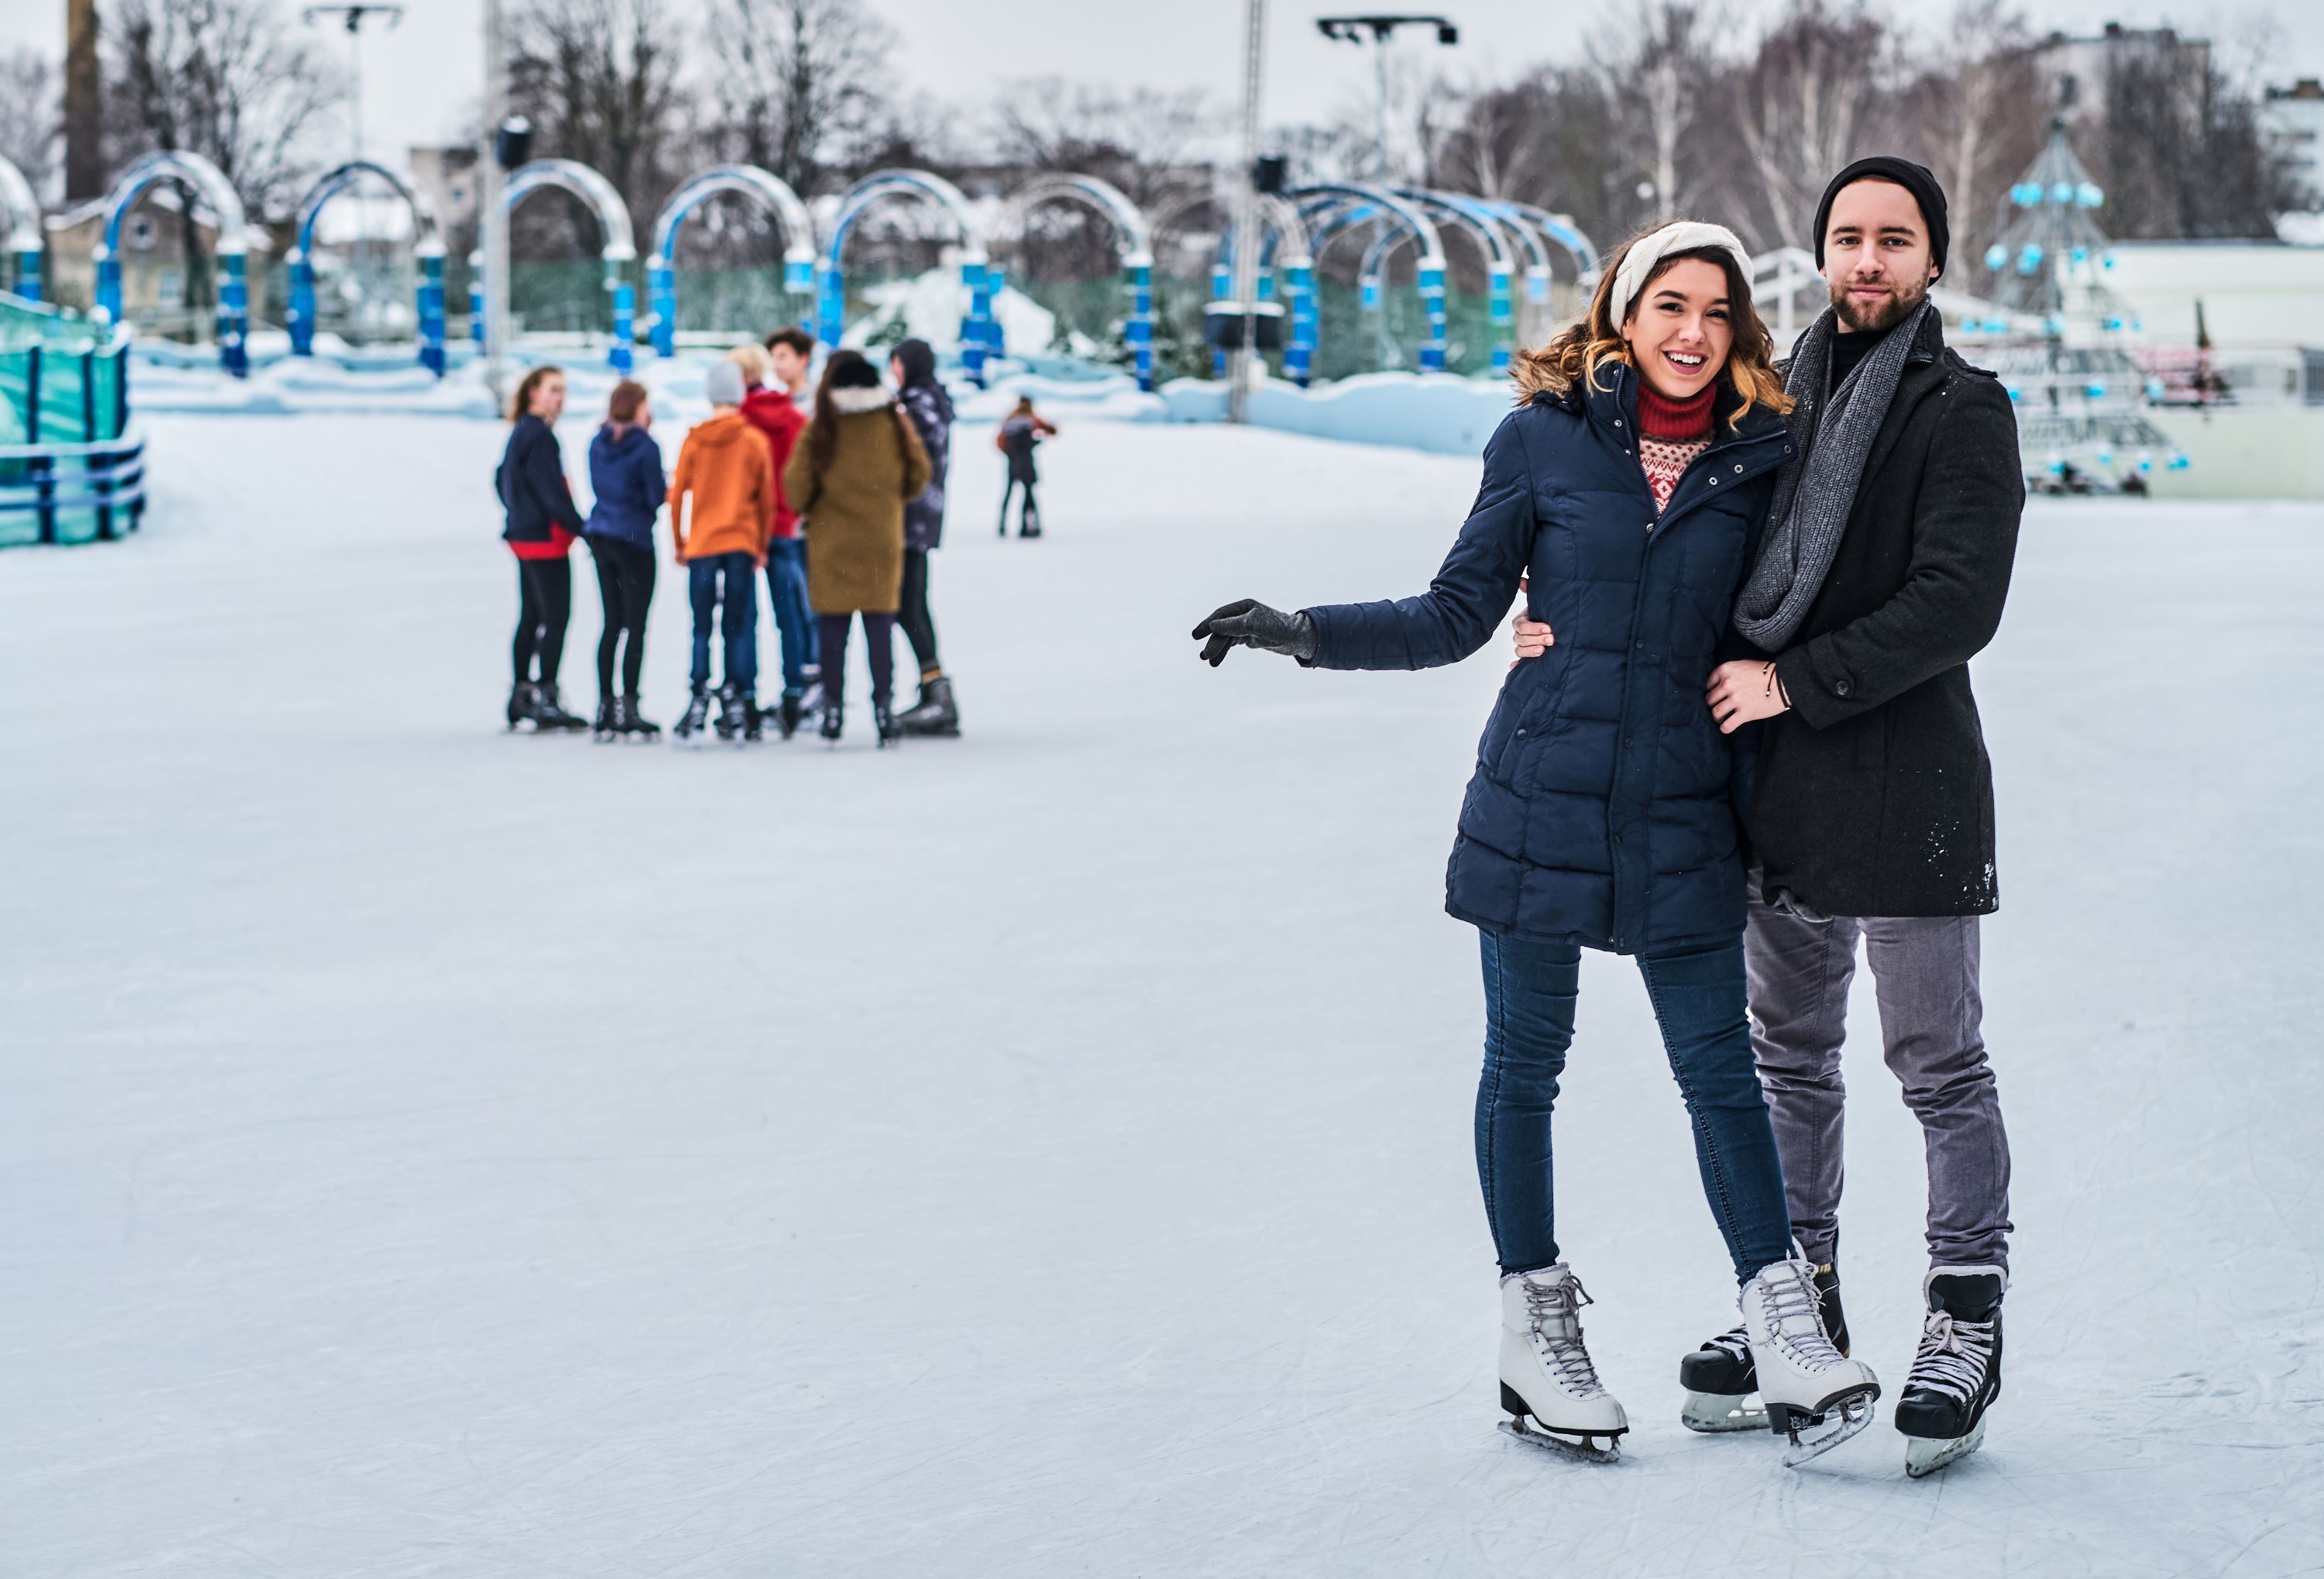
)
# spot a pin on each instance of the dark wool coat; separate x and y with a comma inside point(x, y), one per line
point(1874, 796)
point(931, 415)
point(531, 481)
point(1601, 810)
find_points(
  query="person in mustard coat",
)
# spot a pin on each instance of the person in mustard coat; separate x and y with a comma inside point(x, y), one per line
point(852, 473)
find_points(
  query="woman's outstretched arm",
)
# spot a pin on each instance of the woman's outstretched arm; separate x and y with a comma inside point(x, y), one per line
point(1463, 604)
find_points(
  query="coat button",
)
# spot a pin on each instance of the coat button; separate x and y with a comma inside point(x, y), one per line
point(1840, 687)
point(1520, 735)
point(1618, 839)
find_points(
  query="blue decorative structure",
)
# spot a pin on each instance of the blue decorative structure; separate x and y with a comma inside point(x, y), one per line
point(1502, 264)
point(749, 181)
point(1350, 203)
point(619, 252)
point(831, 295)
point(20, 212)
point(1137, 257)
point(72, 469)
point(426, 252)
point(233, 245)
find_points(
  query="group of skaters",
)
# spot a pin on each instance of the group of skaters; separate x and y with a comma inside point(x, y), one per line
point(1739, 739)
point(835, 493)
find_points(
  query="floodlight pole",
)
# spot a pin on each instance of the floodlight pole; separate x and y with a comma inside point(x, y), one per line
point(491, 193)
point(1246, 210)
point(353, 14)
point(1381, 29)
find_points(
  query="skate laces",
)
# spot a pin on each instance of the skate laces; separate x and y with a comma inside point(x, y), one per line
point(1795, 1315)
point(1554, 1310)
point(1953, 1356)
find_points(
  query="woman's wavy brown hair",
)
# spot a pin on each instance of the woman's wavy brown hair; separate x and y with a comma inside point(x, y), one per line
point(1574, 354)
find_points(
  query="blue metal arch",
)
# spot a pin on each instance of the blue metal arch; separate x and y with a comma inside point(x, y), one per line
point(233, 245)
point(975, 324)
point(1136, 261)
point(21, 212)
point(749, 181)
point(620, 248)
point(1327, 198)
point(427, 249)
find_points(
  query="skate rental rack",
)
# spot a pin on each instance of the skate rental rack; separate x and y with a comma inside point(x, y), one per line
point(72, 467)
point(748, 181)
point(426, 250)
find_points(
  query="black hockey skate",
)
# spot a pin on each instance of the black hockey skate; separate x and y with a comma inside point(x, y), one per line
point(549, 713)
point(834, 720)
point(935, 712)
point(883, 722)
point(731, 718)
point(630, 724)
point(606, 725)
point(1719, 1378)
point(520, 704)
point(697, 713)
point(787, 715)
point(1956, 1373)
point(753, 728)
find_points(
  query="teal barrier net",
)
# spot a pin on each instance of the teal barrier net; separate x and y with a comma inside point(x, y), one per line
point(70, 470)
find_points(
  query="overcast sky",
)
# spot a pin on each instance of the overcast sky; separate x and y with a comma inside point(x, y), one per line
point(421, 77)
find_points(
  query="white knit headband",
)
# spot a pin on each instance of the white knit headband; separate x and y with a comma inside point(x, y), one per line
point(1685, 237)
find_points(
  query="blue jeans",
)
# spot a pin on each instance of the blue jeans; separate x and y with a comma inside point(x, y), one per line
point(726, 585)
point(1530, 988)
point(794, 620)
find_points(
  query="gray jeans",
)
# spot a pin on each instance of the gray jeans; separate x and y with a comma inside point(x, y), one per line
point(1925, 971)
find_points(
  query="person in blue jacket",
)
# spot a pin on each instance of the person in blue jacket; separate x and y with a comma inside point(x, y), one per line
point(626, 477)
point(1624, 495)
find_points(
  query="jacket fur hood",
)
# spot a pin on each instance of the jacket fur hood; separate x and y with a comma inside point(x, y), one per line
point(854, 402)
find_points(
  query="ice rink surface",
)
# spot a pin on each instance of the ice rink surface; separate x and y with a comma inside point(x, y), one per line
point(430, 1151)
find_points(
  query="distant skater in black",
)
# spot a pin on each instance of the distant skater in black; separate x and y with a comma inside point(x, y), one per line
point(1020, 431)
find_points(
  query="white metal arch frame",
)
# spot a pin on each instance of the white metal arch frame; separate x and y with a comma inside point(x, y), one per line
point(748, 181)
point(427, 249)
point(20, 211)
point(620, 248)
point(975, 333)
point(232, 244)
point(1137, 249)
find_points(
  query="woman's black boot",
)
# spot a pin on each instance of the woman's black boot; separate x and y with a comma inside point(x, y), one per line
point(831, 721)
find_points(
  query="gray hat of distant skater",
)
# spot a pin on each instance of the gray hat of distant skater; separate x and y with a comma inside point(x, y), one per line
point(723, 384)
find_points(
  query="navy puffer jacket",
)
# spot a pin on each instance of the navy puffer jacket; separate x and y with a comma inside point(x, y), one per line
point(1600, 812)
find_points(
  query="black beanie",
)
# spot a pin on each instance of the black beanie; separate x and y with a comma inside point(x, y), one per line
point(1915, 178)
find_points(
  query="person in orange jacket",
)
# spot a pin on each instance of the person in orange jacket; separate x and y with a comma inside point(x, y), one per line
point(726, 469)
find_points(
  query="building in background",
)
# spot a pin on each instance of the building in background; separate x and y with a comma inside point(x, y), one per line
point(2292, 121)
point(2075, 71)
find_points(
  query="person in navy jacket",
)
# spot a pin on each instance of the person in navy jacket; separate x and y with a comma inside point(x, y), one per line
point(1625, 495)
point(625, 478)
point(539, 525)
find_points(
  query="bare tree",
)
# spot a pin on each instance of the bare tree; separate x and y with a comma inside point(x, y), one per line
point(1659, 62)
point(1973, 114)
point(2180, 153)
point(598, 79)
point(803, 78)
point(1138, 139)
point(31, 128)
point(224, 78)
point(1809, 98)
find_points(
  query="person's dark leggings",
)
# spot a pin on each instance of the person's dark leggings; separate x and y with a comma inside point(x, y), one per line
point(1530, 988)
point(1029, 513)
point(625, 584)
point(912, 613)
point(544, 608)
point(879, 634)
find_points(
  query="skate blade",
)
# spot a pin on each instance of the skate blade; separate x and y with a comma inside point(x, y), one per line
point(1720, 1411)
point(1582, 1446)
point(1814, 1435)
point(1925, 1456)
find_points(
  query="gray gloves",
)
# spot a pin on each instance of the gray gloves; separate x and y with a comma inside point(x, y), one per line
point(1245, 623)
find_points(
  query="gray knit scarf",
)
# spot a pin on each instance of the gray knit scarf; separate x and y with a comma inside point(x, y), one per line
point(1816, 490)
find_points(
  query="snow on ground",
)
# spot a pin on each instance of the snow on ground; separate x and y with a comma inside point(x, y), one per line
point(424, 1151)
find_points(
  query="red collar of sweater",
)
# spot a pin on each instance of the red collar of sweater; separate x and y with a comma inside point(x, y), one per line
point(1684, 420)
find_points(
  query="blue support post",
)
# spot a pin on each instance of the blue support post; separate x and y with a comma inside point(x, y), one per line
point(109, 284)
point(431, 312)
point(799, 277)
point(234, 315)
point(302, 306)
point(1432, 296)
point(28, 274)
point(1504, 320)
point(831, 304)
point(975, 328)
point(476, 298)
point(623, 356)
point(1139, 331)
point(996, 335)
point(661, 306)
point(1299, 361)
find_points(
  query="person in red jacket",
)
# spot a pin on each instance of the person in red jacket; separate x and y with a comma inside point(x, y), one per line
point(775, 380)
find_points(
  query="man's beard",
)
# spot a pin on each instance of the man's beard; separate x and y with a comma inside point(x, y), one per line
point(1858, 317)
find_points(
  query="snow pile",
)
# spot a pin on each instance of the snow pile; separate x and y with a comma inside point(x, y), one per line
point(1046, 1152)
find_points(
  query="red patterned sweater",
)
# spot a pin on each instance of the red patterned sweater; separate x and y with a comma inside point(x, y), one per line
point(1671, 434)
